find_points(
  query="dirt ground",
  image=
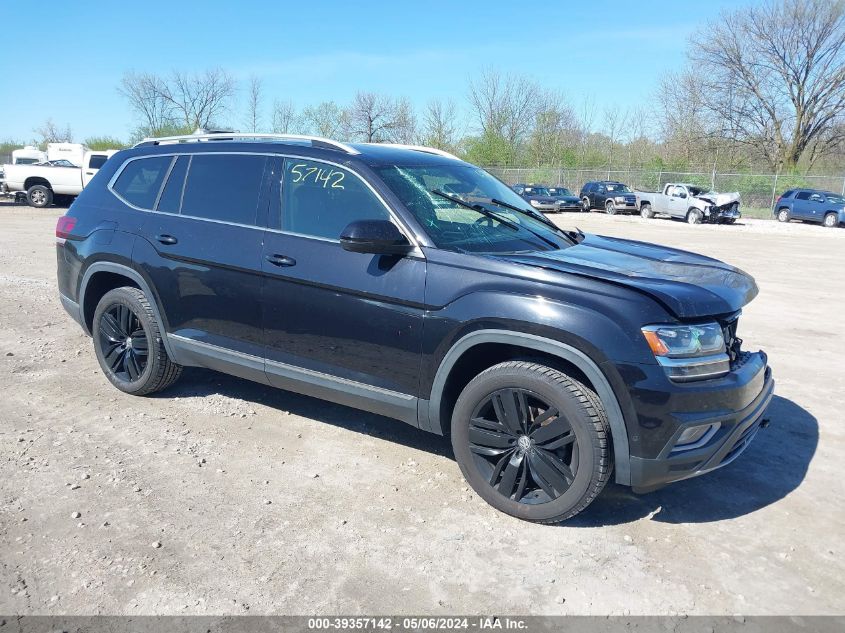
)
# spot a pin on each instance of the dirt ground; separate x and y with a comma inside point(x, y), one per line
point(224, 496)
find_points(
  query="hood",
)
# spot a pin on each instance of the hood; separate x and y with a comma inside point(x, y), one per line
point(689, 285)
point(541, 199)
point(719, 199)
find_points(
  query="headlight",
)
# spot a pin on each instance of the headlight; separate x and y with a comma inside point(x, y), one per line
point(620, 198)
point(534, 203)
point(689, 352)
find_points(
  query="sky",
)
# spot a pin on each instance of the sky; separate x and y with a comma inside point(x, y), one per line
point(598, 50)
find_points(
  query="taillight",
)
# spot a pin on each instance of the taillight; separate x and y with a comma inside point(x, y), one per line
point(779, 199)
point(64, 226)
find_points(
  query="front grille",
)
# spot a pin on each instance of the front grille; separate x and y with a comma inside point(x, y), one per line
point(733, 343)
point(630, 200)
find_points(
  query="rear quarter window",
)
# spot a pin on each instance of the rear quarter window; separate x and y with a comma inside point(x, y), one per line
point(140, 181)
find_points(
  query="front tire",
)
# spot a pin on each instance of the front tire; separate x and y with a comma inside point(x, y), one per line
point(39, 196)
point(610, 207)
point(694, 216)
point(531, 441)
point(129, 344)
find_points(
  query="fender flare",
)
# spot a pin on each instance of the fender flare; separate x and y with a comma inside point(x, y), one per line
point(619, 432)
point(134, 275)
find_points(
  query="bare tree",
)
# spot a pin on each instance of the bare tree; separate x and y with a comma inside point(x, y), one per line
point(615, 126)
point(504, 105)
point(50, 133)
point(286, 120)
point(145, 94)
point(439, 126)
point(253, 103)
point(326, 119)
point(376, 118)
point(404, 123)
point(774, 77)
point(200, 100)
point(554, 128)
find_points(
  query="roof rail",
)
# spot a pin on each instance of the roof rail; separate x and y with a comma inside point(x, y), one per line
point(419, 148)
point(316, 141)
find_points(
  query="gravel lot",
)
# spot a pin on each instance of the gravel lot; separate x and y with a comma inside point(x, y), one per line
point(223, 496)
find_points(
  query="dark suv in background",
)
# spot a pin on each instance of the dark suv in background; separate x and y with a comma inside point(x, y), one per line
point(614, 197)
point(810, 205)
point(406, 282)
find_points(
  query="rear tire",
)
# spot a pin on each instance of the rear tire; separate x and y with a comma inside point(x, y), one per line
point(694, 216)
point(129, 344)
point(646, 212)
point(39, 196)
point(585, 204)
point(830, 220)
point(783, 215)
point(531, 441)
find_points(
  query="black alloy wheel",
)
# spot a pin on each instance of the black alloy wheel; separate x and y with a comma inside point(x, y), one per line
point(523, 446)
point(124, 343)
point(129, 344)
point(531, 441)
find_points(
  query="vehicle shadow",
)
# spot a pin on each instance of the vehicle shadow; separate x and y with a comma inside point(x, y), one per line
point(197, 382)
point(772, 466)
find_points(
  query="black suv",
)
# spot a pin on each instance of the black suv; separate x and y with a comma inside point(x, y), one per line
point(406, 282)
point(614, 197)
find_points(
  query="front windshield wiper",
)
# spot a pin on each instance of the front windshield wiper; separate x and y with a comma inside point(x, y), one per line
point(532, 213)
point(478, 208)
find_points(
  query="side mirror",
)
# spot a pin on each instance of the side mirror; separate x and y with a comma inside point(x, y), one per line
point(376, 237)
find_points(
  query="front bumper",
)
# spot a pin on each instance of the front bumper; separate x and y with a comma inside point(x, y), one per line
point(543, 206)
point(751, 383)
point(723, 215)
point(569, 206)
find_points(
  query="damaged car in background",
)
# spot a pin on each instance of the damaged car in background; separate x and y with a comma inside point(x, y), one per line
point(691, 203)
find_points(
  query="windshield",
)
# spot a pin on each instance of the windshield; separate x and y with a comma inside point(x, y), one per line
point(536, 191)
point(835, 199)
point(697, 191)
point(490, 228)
point(560, 191)
point(618, 188)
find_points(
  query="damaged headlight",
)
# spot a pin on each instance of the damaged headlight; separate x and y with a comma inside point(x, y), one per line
point(689, 352)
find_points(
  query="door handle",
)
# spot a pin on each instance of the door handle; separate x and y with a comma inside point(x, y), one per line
point(281, 260)
point(166, 239)
point(89, 173)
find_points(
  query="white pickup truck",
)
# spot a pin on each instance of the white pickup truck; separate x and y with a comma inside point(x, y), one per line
point(42, 183)
point(689, 202)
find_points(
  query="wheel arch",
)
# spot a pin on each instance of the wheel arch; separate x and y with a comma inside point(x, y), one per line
point(100, 278)
point(37, 180)
point(432, 416)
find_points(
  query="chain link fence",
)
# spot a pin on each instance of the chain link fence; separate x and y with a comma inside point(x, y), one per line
point(757, 190)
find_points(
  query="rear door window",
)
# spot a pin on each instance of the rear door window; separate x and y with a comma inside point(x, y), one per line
point(95, 161)
point(224, 187)
point(141, 179)
point(803, 195)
